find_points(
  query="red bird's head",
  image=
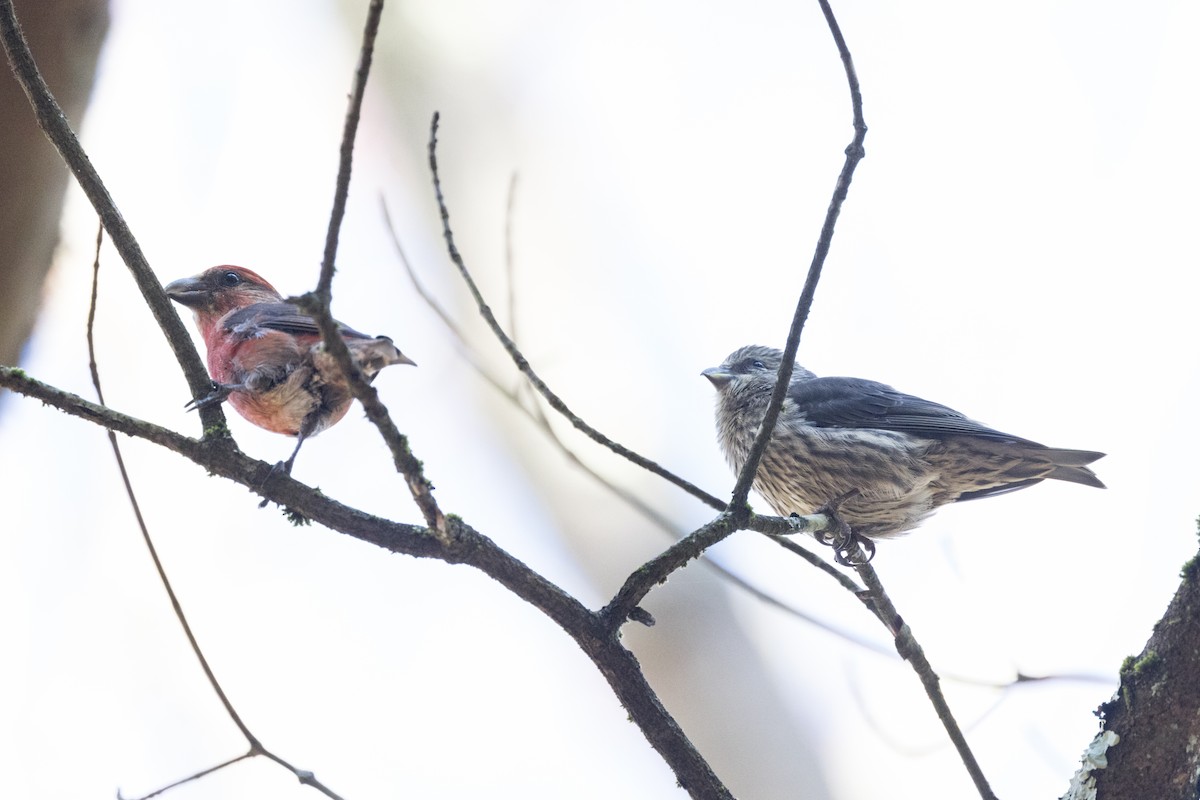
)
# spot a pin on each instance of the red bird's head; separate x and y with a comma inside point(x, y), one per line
point(215, 292)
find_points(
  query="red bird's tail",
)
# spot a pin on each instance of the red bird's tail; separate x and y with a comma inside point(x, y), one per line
point(369, 355)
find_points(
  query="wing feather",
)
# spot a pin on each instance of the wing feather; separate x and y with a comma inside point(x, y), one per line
point(858, 403)
point(283, 317)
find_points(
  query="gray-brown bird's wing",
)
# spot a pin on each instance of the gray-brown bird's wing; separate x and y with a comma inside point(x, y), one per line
point(858, 403)
point(283, 317)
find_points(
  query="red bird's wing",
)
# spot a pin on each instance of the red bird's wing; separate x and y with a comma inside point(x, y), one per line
point(250, 322)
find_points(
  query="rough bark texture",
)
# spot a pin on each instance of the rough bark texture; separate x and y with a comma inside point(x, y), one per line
point(65, 36)
point(1156, 712)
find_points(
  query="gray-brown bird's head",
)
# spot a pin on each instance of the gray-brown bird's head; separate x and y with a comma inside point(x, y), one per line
point(751, 370)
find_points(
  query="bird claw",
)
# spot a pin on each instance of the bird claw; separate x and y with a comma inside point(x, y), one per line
point(856, 553)
point(849, 548)
point(218, 395)
point(280, 467)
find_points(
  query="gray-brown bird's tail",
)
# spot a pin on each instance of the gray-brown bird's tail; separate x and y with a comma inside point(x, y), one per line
point(1071, 465)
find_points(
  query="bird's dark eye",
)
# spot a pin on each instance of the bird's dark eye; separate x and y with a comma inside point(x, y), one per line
point(231, 279)
point(758, 364)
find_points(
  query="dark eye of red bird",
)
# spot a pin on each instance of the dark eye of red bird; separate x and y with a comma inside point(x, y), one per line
point(231, 279)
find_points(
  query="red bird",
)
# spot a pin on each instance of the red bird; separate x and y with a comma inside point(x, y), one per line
point(266, 356)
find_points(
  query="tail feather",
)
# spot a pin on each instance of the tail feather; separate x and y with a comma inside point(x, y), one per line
point(1075, 475)
point(372, 355)
point(1070, 465)
point(1070, 458)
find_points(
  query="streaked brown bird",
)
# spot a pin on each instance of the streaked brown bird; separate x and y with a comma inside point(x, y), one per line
point(894, 457)
point(267, 358)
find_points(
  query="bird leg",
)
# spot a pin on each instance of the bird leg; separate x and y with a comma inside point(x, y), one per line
point(849, 548)
point(285, 467)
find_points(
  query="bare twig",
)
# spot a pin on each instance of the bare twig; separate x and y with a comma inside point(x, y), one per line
point(906, 644)
point(317, 303)
point(366, 53)
point(780, 528)
point(854, 154)
point(193, 777)
point(523, 365)
point(910, 650)
point(256, 747)
point(656, 570)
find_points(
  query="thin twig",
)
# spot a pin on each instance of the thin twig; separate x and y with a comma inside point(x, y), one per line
point(523, 365)
point(192, 777)
point(656, 570)
point(906, 644)
point(854, 154)
point(910, 650)
point(256, 747)
point(346, 154)
point(317, 303)
point(779, 528)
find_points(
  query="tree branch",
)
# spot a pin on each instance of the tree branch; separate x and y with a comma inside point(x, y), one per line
point(461, 545)
point(1148, 731)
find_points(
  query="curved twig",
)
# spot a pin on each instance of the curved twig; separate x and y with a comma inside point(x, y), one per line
point(523, 365)
point(854, 154)
point(256, 747)
point(366, 53)
point(317, 303)
point(911, 651)
point(195, 776)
